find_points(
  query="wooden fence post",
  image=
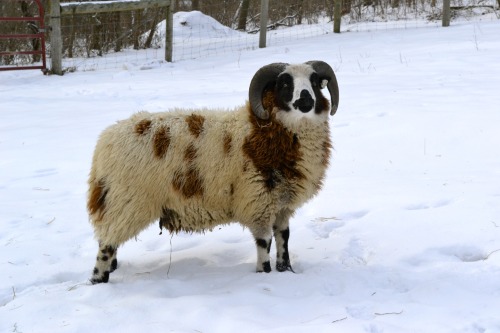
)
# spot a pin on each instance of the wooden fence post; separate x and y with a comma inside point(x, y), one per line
point(264, 8)
point(446, 13)
point(337, 16)
point(55, 38)
point(169, 32)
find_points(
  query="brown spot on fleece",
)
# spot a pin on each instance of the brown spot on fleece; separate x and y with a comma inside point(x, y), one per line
point(97, 199)
point(143, 126)
point(161, 141)
point(189, 183)
point(227, 143)
point(195, 124)
point(274, 151)
point(190, 154)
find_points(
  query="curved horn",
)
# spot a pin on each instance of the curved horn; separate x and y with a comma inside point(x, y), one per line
point(260, 80)
point(326, 72)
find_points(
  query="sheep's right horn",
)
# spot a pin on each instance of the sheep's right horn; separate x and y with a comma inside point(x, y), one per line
point(325, 71)
point(260, 81)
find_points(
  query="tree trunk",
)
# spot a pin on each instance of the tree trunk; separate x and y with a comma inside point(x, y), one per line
point(71, 37)
point(137, 28)
point(97, 31)
point(346, 6)
point(33, 29)
point(300, 12)
point(195, 5)
point(149, 40)
point(119, 40)
point(242, 21)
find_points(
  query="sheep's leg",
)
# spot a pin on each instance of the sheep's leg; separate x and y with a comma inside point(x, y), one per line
point(106, 263)
point(263, 259)
point(263, 239)
point(281, 236)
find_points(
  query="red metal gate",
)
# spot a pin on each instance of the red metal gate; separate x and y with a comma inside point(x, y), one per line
point(36, 23)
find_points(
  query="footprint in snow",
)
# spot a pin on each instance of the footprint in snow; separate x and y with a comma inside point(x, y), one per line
point(429, 205)
point(464, 253)
point(324, 226)
point(341, 125)
point(355, 254)
point(355, 215)
point(45, 173)
point(360, 311)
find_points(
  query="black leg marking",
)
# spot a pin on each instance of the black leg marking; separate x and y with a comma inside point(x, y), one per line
point(263, 236)
point(261, 243)
point(283, 260)
point(266, 266)
point(114, 265)
point(263, 248)
point(284, 266)
point(286, 235)
point(105, 263)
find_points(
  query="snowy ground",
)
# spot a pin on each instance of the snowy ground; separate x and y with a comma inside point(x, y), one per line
point(404, 237)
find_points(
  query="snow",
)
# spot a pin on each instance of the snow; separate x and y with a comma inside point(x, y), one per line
point(404, 236)
point(196, 24)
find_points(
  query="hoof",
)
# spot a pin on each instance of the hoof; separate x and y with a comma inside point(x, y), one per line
point(284, 266)
point(266, 267)
point(100, 279)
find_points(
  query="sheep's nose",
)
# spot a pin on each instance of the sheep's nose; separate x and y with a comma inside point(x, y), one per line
point(305, 103)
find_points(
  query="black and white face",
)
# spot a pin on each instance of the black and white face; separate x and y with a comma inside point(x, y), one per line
point(298, 91)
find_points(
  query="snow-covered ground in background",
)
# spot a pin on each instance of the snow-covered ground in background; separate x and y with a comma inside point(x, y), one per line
point(404, 237)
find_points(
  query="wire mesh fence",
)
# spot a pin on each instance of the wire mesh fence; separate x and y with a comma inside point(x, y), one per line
point(136, 38)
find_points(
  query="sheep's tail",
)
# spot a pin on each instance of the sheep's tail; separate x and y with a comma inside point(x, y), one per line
point(96, 201)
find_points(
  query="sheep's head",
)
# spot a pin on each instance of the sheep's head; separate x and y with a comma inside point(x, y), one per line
point(295, 88)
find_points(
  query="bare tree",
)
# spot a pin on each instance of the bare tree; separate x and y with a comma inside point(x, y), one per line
point(196, 5)
point(242, 21)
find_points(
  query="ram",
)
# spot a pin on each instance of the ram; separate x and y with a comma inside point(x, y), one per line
point(195, 169)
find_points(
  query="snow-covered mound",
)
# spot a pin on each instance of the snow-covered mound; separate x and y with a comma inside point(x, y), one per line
point(196, 25)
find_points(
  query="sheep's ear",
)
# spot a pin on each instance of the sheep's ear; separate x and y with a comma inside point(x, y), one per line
point(262, 78)
point(325, 72)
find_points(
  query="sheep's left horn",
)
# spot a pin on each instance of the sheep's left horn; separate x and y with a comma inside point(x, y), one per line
point(262, 78)
point(325, 72)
